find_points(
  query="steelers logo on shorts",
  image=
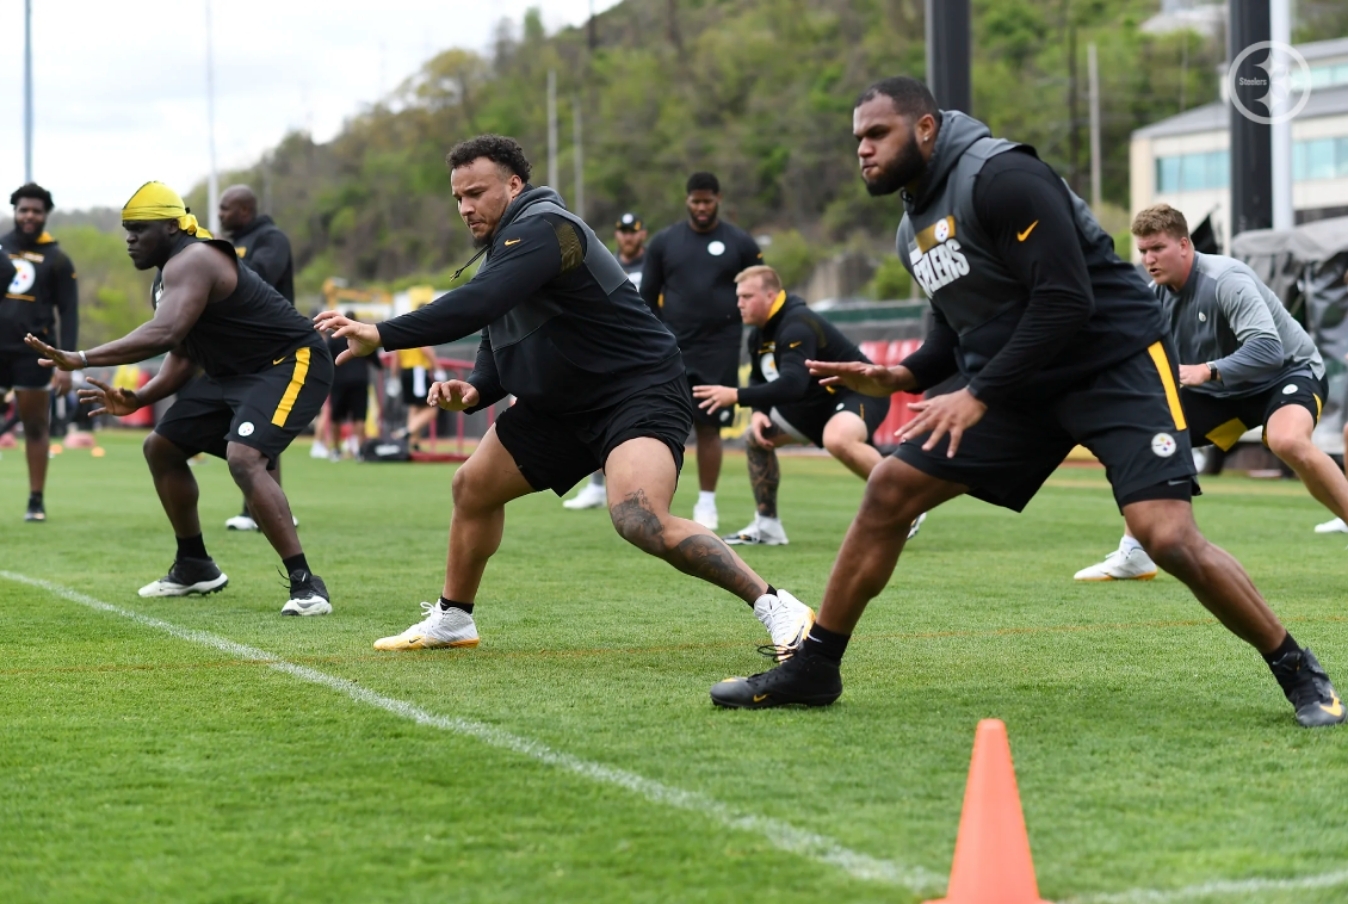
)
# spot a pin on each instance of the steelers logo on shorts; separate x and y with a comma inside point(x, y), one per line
point(726, 416)
point(1164, 445)
point(1289, 389)
point(246, 428)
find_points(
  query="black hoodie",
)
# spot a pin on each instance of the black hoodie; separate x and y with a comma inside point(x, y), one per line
point(562, 325)
point(264, 248)
point(41, 287)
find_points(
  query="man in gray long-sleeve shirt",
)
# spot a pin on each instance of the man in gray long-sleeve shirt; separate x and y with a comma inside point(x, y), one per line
point(1245, 363)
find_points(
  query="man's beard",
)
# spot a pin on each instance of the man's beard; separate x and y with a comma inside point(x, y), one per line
point(905, 168)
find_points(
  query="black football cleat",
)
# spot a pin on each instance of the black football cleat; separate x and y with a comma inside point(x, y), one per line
point(188, 577)
point(803, 679)
point(308, 595)
point(1307, 686)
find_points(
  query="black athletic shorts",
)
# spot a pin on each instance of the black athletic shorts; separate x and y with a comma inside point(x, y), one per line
point(555, 452)
point(264, 411)
point(416, 383)
point(1222, 421)
point(715, 364)
point(809, 420)
point(20, 370)
point(1128, 415)
point(350, 402)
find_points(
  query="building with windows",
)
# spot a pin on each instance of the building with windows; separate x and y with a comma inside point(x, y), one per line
point(1185, 160)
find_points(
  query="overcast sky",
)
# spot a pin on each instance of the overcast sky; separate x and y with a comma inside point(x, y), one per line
point(120, 88)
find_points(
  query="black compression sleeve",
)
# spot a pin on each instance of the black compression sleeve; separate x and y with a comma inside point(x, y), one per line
point(1026, 211)
point(513, 272)
point(935, 360)
point(796, 343)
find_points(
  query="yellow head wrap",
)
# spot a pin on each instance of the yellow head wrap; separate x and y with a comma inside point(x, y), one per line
point(156, 201)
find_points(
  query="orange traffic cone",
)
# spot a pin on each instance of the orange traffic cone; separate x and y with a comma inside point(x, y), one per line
point(992, 851)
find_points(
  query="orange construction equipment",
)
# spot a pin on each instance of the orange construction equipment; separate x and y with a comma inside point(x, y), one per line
point(992, 851)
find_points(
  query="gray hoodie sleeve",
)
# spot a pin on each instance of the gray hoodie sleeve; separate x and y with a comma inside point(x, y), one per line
point(1260, 352)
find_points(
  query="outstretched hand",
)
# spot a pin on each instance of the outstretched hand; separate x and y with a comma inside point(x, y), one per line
point(53, 356)
point(361, 338)
point(867, 379)
point(952, 413)
point(117, 402)
point(712, 398)
point(453, 395)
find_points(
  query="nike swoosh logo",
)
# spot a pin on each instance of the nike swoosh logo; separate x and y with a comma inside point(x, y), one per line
point(279, 360)
point(1022, 236)
point(509, 242)
point(759, 698)
point(793, 345)
point(1335, 709)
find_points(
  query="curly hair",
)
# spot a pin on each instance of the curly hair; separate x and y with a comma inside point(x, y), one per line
point(35, 191)
point(504, 152)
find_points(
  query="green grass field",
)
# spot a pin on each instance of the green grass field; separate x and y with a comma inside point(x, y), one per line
point(211, 750)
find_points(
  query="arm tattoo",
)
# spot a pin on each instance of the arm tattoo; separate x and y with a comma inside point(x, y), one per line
point(765, 475)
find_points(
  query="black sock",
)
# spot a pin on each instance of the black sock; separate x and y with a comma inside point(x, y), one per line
point(447, 604)
point(296, 563)
point(34, 498)
point(829, 644)
point(192, 548)
point(1288, 645)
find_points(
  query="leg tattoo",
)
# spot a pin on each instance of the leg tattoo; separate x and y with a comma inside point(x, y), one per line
point(638, 524)
point(765, 475)
point(702, 555)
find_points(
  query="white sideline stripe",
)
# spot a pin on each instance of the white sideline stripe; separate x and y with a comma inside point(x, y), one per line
point(781, 835)
point(1214, 889)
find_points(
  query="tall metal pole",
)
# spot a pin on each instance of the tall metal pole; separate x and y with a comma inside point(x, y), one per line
point(1284, 217)
point(213, 182)
point(28, 90)
point(1093, 75)
point(552, 130)
point(1251, 141)
point(579, 206)
point(948, 61)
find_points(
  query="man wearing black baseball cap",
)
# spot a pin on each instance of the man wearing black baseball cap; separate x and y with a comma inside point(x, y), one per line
point(630, 235)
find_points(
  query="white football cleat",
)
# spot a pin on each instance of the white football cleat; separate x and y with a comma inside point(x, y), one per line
point(1333, 526)
point(916, 525)
point(705, 514)
point(1135, 565)
point(440, 628)
point(240, 522)
point(590, 496)
point(787, 619)
point(760, 532)
point(318, 450)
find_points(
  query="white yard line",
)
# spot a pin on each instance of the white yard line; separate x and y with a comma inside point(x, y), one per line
point(780, 835)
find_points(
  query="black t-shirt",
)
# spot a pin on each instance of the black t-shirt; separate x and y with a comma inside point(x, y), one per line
point(689, 281)
point(1084, 305)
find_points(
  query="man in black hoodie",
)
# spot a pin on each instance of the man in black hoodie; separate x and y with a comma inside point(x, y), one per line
point(263, 248)
point(41, 291)
point(598, 382)
point(1055, 341)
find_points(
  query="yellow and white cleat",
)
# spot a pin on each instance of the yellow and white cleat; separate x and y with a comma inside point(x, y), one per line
point(439, 628)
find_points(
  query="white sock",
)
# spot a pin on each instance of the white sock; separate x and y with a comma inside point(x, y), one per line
point(706, 497)
point(1128, 544)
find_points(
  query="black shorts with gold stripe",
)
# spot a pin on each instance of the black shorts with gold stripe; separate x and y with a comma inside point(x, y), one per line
point(1128, 415)
point(808, 420)
point(264, 411)
point(1222, 420)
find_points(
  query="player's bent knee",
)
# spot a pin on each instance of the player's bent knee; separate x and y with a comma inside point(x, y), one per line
point(636, 523)
point(244, 463)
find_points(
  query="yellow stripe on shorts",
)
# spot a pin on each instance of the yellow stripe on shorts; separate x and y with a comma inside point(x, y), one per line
point(293, 390)
point(1157, 352)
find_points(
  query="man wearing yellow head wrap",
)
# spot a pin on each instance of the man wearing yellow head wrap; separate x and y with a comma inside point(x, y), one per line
point(266, 375)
